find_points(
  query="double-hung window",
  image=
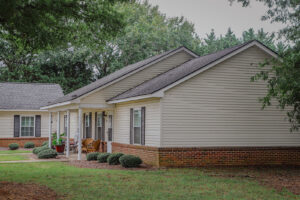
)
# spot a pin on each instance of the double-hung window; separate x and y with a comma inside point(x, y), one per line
point(87, 121)
point(137, 126)
point(99, 120)
point(65, 123)
point(27, 126)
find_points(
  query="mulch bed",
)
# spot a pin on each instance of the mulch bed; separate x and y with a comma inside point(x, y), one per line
point(27, 191)
point(278, 177)
point(96, 165)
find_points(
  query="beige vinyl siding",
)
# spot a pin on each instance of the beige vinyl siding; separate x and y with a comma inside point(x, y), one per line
point(7, 122)
point(220, 107)
point(121, 132)
point(137, 78)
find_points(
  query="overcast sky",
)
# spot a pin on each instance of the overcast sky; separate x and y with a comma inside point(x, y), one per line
point(217, 15)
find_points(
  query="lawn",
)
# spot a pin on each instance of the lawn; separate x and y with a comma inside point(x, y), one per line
point(13, 157)
point(81, 183)
point(15, 151)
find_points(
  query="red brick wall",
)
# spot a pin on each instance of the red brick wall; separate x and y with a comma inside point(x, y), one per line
point(194, 157)
point(4, 142)
point(218, 156)
point(148, 154)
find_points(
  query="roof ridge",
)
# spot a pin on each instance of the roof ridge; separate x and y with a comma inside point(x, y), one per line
point(29, 83)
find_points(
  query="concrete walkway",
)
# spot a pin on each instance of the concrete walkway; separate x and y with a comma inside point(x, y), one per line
point(34, 159)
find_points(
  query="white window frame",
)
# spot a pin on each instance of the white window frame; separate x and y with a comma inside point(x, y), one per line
point(99, 114)
point(140, 110)
point(87, 116)
point(21, 125)
point(65, 123)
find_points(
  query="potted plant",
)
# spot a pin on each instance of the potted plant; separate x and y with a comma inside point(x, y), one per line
point(58, 143)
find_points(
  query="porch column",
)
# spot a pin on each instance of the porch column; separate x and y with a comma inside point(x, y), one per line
point(50, 128)
point(79, 132)
point(68, 133)
point(58, 126)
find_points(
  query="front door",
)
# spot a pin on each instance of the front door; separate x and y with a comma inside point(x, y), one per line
point(109, 132)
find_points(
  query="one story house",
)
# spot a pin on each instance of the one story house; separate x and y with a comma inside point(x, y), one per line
point(21, 119)
point(180, 109)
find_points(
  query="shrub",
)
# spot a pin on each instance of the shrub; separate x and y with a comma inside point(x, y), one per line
point(102, 157)
point(92, 156)
point(37, 150)
point(47, 153)
point(13, 146)
point(29, 145)
point(130, 161)
point(45, 143)
point(113, 159)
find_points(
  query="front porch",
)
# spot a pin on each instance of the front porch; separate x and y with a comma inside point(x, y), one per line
point(80, 122)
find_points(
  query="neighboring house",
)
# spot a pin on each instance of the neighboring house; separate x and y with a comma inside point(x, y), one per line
point(179, 109)
point(21, 119)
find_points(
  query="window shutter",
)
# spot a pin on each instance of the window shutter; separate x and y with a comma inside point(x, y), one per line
point(131, 126)
point(96, 128)
point(103, 128)
point(90, 127)
point(38, 126)
point(84, 129)
point(17, 126)
point(143, 125)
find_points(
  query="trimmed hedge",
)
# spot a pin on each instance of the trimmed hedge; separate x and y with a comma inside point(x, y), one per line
point(113, 159)
point(29, 145)
point(45, 143)
point(130, 161)
point(102, 157)
point(92, 156)
point(47, 153)
point(37, 150)
point(13, 146)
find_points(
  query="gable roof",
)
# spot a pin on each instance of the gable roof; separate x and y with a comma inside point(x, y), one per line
point(119, 74)
point(27, 96)
point(178, 73)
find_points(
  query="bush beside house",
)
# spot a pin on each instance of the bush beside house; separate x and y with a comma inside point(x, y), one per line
point(102, 158)
point(92, 156)
point(29, 145)
point(113, 159)
point(47, 153)
point(13, 146)
point(130, 161)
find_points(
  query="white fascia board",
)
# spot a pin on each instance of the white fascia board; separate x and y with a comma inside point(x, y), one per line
point(154, 95)
point(135, 71)
point(99, 106)
point(20, 110)
point(56, 105)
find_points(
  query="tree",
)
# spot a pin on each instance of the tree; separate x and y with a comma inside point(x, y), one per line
point(283, 79)
point(43, 24)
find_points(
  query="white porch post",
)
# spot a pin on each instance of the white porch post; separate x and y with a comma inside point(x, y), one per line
point(79, 132)
point(68, 133)
point(58, 126)
point(50, 128)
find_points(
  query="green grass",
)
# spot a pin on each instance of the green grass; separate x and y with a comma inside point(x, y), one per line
point(80, 183)
point(15, 151)
point(13, 157)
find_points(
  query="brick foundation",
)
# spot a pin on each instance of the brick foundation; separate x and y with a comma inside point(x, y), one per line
point(148, 154)
point(4, 142)
point(218, 156)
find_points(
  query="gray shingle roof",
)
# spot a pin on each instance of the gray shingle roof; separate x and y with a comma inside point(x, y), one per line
point(111, 77)
point(163, 80)
point(27, 96)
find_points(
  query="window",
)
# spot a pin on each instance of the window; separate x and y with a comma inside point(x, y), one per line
point(65, 123)
point(99, 120)
point(87, 120)
point(27, 126)
point(137, 123)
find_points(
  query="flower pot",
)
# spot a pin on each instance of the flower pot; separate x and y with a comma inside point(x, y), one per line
point(60, 148)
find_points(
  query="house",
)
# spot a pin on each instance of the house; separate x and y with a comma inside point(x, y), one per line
point(21, 119)
point(179, 109)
